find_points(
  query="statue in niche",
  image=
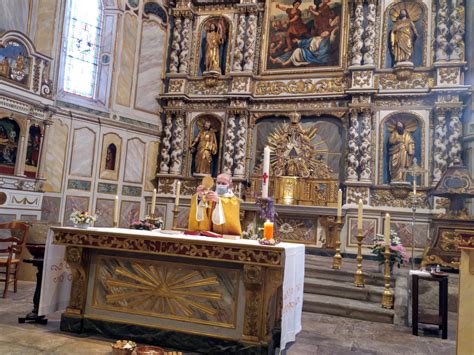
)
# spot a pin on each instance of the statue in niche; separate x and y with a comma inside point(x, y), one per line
point(401, 149)
point(215, 37)
point(110, 157)
point(205, 147)
point(18, 68)
point(404, 34)
point(4, 67)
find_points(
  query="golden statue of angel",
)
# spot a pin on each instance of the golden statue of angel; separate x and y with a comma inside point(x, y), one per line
point(215, 37)
point(205, 145)
point(401, 148)
point(404, 33)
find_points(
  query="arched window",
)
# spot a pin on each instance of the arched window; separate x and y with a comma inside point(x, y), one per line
point(82, 42)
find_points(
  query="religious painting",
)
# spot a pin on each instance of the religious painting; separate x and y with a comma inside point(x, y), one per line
point(369, 230)
point(405, 34)
point(14, 62)
point(33, 151)
point(402, 143)
point(110, 157)
point(205, 145)
point(9, 136)
point(303, 35)
point(214, 46)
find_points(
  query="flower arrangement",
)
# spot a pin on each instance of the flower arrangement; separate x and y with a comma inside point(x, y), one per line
point(147, 224)
point(398, 253)
point(82, 218)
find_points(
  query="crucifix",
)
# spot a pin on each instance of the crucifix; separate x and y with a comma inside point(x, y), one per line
point(414, 170)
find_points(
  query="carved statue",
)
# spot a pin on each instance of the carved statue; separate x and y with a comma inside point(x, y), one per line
point(214, 40)
point(4, 67)
point(18, 68)
point(206, 143)
point(401, 150)
point(404, 33)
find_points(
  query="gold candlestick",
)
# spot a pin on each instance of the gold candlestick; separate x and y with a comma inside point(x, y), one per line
point(359, 275)
point(337, 258)
point(115, 224)
point(387, 298)
point(175, 216)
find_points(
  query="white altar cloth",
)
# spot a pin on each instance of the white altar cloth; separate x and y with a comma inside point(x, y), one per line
point(57, 278)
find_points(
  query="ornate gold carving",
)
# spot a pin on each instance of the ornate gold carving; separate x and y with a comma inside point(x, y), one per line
point(448, 75)
point(416, 81)
point(239, 84)
point(253, 274)
point(323, 86)
point(398, 197)
point(176, 86)
point(253, 280)
point(354, 194)
point(436, 259)
point(202, 87)
point(301, 230)
point(361, 78)
point(77, 261)
point(449, 241)
point(154, 245)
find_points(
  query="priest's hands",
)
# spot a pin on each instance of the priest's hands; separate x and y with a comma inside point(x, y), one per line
point(200, 190)
point(212, 196)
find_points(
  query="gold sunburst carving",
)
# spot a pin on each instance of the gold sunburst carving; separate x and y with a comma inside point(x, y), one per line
point(170, 290)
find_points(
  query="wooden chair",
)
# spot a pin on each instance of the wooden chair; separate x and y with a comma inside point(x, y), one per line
point(10, 256)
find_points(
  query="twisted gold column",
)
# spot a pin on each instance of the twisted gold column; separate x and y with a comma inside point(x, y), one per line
point(359, 275)
point(387, 298)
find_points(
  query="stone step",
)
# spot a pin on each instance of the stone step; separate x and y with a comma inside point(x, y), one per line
point(326, 287)
point(345, 307)
point(323, 272)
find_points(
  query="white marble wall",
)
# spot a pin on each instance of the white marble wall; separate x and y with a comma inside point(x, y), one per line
point(83, 151)
point(45, 25)
point(134, 161)
point(127, 59)
point(150, 67)
point(56, 156)
point(14, 15)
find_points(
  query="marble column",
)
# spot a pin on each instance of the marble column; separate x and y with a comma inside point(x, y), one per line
point(175, 46)
point(442, 31)
point(366, 146)
point(457, 30)
point(440, 155)
point(166, 145)
point(357, 32)
point(369, 41)
point(353, 148)
point(177, 144)
point(239, 43)
point(251, 39)
point(241, 146)
point(22, 150)
point(229, 144)
point(43, 149)
point(184, 54)
point(455, 134)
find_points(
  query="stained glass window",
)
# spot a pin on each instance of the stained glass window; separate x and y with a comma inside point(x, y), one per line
point(82, 47)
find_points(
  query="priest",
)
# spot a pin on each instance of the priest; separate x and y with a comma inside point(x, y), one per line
point(217, 211)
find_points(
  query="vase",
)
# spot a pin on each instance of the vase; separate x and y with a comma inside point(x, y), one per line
point(82, 225)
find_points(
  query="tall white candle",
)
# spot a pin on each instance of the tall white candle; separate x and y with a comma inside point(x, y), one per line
point(116, 210)
point(266, 171)
point(339, 203)
point(153, 202)
point(387, 229)
point(359, 215)
point(414, 186)
point(178, 191)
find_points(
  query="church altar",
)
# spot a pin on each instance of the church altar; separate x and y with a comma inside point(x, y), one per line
point(173, 289)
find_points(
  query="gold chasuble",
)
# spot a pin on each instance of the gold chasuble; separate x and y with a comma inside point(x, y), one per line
point(222, 218)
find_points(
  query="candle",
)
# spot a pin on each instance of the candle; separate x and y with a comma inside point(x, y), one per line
point(339, 203)
point(153, 203)
point(116, 211)
point(414, 186)
point(359, 216)
point(387, 229)
point(268, 230)
point(178, 191)
point(266, 171)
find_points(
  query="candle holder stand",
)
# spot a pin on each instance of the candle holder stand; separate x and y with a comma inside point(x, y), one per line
point(175, 216)
point(359, 275)
point(337, 258)
point(387, 297)
point(115, 224)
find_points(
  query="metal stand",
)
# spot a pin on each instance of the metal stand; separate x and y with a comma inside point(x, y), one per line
point(359, 275)
point(413, 220)
point(387, 298)
point(337, 258)
point(175, 216)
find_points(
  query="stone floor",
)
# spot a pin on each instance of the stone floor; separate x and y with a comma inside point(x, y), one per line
point(321, 335)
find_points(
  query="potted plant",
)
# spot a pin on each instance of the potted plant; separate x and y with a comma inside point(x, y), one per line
point(147, 224)
point(398, 253)
point(82, 219)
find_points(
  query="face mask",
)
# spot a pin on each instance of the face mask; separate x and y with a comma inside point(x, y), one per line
point(222, 189)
